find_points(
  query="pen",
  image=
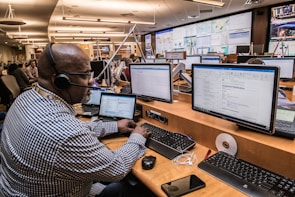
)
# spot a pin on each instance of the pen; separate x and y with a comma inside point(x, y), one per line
point(208, 153)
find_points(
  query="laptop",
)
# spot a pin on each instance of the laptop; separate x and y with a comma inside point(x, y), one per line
point(285, 122)
point(115, 106)
point(91, 107)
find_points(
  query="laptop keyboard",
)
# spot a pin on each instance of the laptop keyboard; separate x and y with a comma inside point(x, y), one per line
point(284, 125)
point(90, 110)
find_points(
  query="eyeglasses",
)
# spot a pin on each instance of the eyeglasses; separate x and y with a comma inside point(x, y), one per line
point(83, 75)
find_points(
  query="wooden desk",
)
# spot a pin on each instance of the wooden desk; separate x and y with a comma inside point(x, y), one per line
point(273, 153)
point(165, 170)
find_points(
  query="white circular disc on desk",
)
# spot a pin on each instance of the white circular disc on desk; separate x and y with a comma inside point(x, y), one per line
point(226, 143)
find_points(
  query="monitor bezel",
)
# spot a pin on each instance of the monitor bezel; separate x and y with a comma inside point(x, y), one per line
point(149, 97)
point(240, 122)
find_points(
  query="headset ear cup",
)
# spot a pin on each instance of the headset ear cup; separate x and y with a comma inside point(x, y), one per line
point(62, 81)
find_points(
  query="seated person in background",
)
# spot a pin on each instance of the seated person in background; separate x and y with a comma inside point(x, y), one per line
point(282, 99)
point(22, 80)
point(49, 152)
point(32, 71)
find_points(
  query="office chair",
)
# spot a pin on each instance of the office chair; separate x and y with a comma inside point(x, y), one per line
point(10, 89)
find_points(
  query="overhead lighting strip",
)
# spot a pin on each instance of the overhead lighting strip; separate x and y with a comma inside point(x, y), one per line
point(107, 20)
point(209, 2)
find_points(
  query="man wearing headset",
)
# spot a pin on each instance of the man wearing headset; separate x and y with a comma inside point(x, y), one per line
point(47, 151)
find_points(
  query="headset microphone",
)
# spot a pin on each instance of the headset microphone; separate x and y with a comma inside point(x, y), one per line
point(75, 84)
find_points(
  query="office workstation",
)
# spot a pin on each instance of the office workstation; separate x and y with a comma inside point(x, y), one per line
point(193, 91)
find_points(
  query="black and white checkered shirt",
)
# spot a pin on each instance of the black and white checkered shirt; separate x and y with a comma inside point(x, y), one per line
point(47, 151)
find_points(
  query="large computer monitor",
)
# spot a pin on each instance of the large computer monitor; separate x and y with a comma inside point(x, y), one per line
point(152, 81)
point(210, 59)
point(242, 93)
point(286, 66)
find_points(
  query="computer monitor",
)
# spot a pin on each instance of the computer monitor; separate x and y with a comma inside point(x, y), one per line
point(243, 49)
point(286, 66)
point(210, 59)
point(242, 93)
point(97, 67)
point(152, 81)
point(117, 106)
point(191, 60)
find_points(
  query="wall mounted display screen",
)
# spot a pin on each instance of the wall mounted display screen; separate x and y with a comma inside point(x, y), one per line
point(242, 93)
point(152, 81)
point(282, 30)
point(220, 35)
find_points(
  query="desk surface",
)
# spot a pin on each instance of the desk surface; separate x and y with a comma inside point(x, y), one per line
point(165, 170)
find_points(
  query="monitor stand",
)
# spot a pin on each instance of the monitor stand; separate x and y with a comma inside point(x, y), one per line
point(145, 98)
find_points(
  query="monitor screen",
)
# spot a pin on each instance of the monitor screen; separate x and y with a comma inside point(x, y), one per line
point(152, 81)
point(243, 93)
point(191, 60)
point(94, 98)
point(210, 59)
point(119, 106)
point(286, 66)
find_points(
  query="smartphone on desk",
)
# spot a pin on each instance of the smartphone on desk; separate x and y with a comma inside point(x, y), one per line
point(183, 186)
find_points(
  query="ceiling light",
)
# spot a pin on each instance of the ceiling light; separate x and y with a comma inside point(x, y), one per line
point(249, 2)
point(107, 20)
point(10, 19)
point(80, 19)
point(209, 2)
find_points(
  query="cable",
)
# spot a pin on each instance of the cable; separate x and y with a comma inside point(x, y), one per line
point(185, 158)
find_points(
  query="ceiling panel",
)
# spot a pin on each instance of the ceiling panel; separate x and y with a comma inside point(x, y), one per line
point(44, 17)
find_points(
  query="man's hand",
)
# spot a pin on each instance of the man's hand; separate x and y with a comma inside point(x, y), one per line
point(129, 126)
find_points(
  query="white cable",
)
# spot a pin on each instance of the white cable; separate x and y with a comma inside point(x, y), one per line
point(188, 158)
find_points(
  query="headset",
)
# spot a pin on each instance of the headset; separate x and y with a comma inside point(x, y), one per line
point(62, 80)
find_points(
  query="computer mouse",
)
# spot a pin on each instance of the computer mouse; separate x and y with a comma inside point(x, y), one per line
point(148, 162)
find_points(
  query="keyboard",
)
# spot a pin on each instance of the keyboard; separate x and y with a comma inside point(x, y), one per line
point(167, 143)
point(247, 177)
point(89, 110)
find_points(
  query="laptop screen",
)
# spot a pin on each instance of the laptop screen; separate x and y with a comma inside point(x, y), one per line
point(94, 97)
point(117, 106)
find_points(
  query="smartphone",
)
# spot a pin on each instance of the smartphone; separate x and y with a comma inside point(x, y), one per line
point(183, 186)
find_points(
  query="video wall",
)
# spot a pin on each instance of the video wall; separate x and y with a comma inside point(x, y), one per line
point(220, 35)
point(282, 30)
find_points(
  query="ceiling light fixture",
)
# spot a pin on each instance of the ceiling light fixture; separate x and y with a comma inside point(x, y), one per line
point(209, 2)
point(10, 19)
point(108, 20)
point(249, 2)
